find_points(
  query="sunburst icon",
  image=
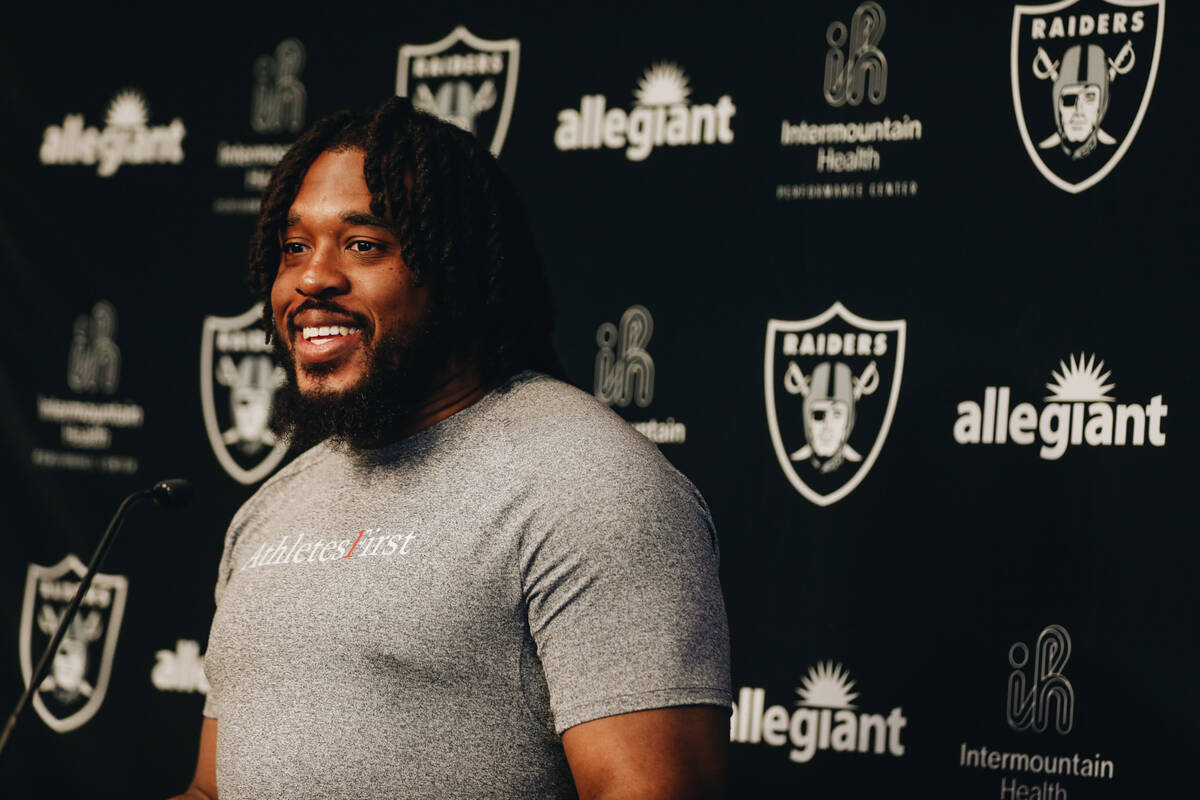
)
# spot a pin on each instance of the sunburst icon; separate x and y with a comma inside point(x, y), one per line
point(827, 685)
point(127, 110)
point(1081, 381)
point(663, 84)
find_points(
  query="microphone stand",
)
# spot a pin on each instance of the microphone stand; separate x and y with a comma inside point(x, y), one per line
point(173, 492)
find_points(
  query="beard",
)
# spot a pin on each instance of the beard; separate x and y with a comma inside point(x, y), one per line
point(401, 371)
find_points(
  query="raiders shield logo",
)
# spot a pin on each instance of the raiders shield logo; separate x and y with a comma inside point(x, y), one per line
point(238, 379)
point(73, 690)
point(465, 80)
point(1082, 75)
point(831, 385)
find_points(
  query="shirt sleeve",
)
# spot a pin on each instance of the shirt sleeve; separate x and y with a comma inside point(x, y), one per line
point(623, 596)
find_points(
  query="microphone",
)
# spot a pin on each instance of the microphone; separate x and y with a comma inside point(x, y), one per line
point(171, 493)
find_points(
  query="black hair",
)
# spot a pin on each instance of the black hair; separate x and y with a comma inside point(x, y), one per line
point(461, 227)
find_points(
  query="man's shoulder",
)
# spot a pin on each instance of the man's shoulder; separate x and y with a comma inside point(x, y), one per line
point(539, 411)
point(556, 432)
point(536, 397)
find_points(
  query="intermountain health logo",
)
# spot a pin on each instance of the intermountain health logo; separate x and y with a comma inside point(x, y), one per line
point(126, 138)
point(847, 145)
point(89, 419)
point(465, 80)
point(1034, 690)
point(625, 372)
point(663, 115)
point(825, 718)
point(238, 380)
point(278, 104)
point(1040, 698)
point(1082, 75)
point(1078, 411)
point(79, 674)
point(861, 71)
point(831, 385)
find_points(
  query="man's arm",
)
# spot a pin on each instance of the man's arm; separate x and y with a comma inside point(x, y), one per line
point(204, 782)
point(663, 753)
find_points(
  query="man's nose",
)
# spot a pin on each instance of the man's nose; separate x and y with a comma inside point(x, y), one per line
point(323, 275)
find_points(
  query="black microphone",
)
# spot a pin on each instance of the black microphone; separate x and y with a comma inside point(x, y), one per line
point(171, 493)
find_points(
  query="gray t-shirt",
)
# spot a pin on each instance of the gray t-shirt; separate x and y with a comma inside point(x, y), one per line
point(426, 619)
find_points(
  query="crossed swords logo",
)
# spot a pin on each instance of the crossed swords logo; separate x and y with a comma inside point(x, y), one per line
point(1046, 69)
point(461, 113)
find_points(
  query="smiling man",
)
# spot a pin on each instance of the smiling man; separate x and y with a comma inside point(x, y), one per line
point(476, 581)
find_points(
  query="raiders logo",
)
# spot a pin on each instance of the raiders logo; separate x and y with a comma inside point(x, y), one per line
point(1082, 75)
point(72, 692)
point(831, 385)
point(465, 80)
point(238, 380)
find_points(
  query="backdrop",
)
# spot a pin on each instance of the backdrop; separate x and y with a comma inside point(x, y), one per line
point(906, 289)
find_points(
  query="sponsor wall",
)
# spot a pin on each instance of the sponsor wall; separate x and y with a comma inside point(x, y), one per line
point(906, 289)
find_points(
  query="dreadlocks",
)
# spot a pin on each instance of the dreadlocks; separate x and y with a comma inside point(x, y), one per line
point(460, 225)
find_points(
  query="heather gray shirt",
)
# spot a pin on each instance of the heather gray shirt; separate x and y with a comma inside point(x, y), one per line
point(425, 620)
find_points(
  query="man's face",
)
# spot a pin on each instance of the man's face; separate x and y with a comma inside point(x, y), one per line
point(342, 288)
point(1079, 110)
point(828, 420)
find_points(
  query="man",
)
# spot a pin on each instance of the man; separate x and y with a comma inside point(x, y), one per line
point(481, 582)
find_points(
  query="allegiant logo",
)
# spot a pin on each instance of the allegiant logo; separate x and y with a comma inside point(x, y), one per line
point(663, 115)
point(368, 542)
point(1079, 410)
point(826, 719)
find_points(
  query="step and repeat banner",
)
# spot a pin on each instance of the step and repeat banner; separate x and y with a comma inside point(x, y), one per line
point(906, 289)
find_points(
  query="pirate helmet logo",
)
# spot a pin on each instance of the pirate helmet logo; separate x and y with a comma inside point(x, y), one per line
point(73, 690)
point(1094, 56)
point(464, 80)
point(830, 396)
point(235, 362)
point(1080, 100)
point(844, 371)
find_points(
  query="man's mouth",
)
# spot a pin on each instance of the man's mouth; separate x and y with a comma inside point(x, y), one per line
point(319, 344)
point(324, 333)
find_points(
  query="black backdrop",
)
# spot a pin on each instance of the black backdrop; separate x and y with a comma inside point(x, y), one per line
point(916, 584)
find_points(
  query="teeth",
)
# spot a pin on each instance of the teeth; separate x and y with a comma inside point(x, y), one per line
point(326, 331)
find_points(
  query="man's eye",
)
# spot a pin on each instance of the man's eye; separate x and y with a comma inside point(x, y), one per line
point(363, 247)
point(291, 248)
